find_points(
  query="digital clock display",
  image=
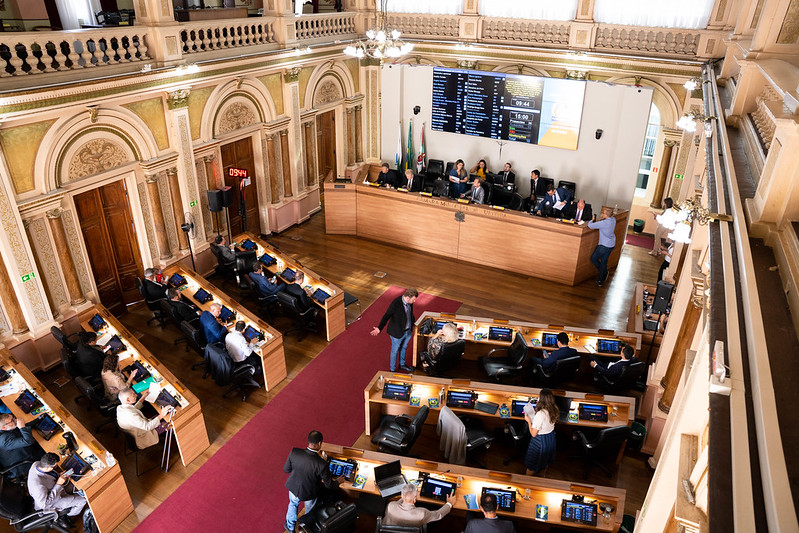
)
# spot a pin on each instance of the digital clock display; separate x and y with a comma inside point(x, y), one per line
point(234, 172)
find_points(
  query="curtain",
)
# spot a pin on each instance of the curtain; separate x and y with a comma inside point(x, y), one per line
point(74, 12)
point(529, 9)
point(691, 14)
point(435, 7)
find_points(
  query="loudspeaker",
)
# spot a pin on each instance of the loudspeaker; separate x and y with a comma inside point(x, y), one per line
point(215, 201)
point(662, 296)
point(227, 196)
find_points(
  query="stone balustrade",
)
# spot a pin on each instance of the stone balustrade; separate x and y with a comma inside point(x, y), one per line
point(325, 25)
point(536, 32)
point(208, 35)
point(664, 41)
point(419, 25)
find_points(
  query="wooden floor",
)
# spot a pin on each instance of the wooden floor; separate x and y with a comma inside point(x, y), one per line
point(352, 264)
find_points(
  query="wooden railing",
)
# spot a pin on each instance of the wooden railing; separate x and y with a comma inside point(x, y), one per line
point(324, 25)
point(204, 36)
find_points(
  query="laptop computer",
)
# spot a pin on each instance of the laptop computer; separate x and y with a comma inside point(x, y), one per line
point(389, 479)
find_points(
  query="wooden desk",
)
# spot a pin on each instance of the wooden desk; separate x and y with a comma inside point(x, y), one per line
point(340, 208)
point(621, 409)
point(103, 485)
point(504, 239)
point(212, 13)
point(273, 359)
point(582, 339)
point(333, 308)
point(190, 432)
point(638, 316)
point(549, 492)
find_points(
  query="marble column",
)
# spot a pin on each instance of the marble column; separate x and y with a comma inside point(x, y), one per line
point(210, 181)
point(65, 257)
point(288, 190)
point(672, 377)
point(663, 173)
point(46, 284)
point(177, 207)
point(274, 184)
point(350, 136)
point(159, 225)
point(359, 134)
point(10, 303)
point(310, 167)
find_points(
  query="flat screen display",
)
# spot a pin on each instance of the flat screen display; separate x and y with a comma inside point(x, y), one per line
point(549, 340)
point(288, 274)
point(579, 512)
point(96, 322)
point(500, 334)
point(46, 426)
point(176, 280)
point(116, 345)
point(225, 314)
point(165, 398)
point(437, 489)
point(439, 324)
point(517, 407)
point(202, 296)
point(397, 391)
point(251, 333)
point(506, 499)
point(320, 295)
point(462, 399)
point(27, 402)
point(248, 245)
point(76, 464)
point(267, 260)
point(511, 107)
point(608, 346)
point(339, 467)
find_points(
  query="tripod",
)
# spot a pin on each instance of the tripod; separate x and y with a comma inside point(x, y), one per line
point(170, 432)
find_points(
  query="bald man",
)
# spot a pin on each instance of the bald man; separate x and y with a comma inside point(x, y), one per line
point(214, 330)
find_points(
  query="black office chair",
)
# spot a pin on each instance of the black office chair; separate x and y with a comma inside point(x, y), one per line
point(64, 339)
point(16, 506)
point(223, 267)
point(605, 445)
point(489, 192)
point(501, 197)
point(304, 319)
point(382, 528)
point(518, 432)
point(97, 399)
point(477, 438)
point(195, 339)
point(449, 356)
point(152, 305)
point(441, 187)
point(547, 182)
point(563, 370)
point(333, 517)
point(509, 366)
point(630, 374)
point(397, 434)
point(269, 305)
point(435, 170)
point(168, 312)
point(150, 452)
point(450, 166)
point(516, 202)
point(570, 186)
point(237, 377)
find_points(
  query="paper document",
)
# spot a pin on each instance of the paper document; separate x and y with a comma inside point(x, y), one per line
point(559, 205)
point(8, 389)
point(153, 392)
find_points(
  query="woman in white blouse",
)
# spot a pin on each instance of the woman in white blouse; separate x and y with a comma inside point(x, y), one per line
point(541, 450)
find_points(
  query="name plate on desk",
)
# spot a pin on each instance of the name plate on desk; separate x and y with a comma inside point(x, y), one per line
point(339, 186)
point(463, 201)
point(498, 207)
point(426, 193)
point(372, 184)
point(402, 189)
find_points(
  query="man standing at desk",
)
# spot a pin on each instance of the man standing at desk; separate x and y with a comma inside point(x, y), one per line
point(489, 524)
point(17, 444)
point(306, 469)
point(399, 317)
point(607, 240)
point(213, 329)
point(555, 200)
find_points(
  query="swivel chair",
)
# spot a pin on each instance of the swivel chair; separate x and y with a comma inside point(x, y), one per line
point(304, 319)
point(383, 528)
point(488, 187)
point(630, 374)
point(16, 506)
point(562, 370)
point(196, 341)
point(333, 517)
point(152, 305)
point(509, 366)
point(168, 311)
point(237, 377)
point(570, 186)
point(397, 434)
point(516, 202)
point(104, 406)
point(441, 187)
point(223, 267)
point(449, 355)
point(64, 339)
point(606, 444)
point(518, 431)
point(477, 438)
point(450, 166)
point(435, 170)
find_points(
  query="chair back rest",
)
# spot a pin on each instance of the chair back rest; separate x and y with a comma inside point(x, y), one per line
point(383, 528)
point(518, 350)
point(15, 502)
point(565, 367)
point(61, 337)
point(630, 372)
point(516, 202)
point(195, 336)
point(69, 364)
point(609, 439)
point(435, 167)
point(218, 363)
point(420, 417)
point(547, 182)
point(341, 522)
point(140, 286)
point(441, 188)
point(450, 165)
point(570, 186)
point(451, 353)
point(85, 388)
point(167, 309)
point(488, 187)
point(289, 301)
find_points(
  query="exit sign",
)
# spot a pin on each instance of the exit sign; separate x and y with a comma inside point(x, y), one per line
point(28, 277)
point(193, 203)
point(678, 176)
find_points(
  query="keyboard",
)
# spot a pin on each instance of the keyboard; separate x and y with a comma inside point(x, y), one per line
point(487, 407)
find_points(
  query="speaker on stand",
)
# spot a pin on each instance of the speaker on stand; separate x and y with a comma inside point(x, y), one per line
point(660, 304)
point(215, 205)
point(227, 200)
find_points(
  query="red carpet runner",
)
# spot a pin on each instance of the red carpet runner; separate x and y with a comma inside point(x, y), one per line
point(640, 240)
point(241, 488)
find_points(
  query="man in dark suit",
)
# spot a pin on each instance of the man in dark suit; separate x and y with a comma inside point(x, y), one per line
point(489, 524)
point(298, 291)
point(264, 285)
point(184, 311)
point(477, 193)
point(506, 176)
point(613, 370)
point(399, 317)
point(411, 182)
point(307, 471)
point(151, 288)
point(90, 358)
point(537, 185)
point(387, 177)
point(562, 352)
point(213, 329)
point(17, 444)
point(552, 198)
point(579, 212)
point(223, 250)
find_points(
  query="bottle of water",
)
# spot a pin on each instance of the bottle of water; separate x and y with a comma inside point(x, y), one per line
point(109, 459)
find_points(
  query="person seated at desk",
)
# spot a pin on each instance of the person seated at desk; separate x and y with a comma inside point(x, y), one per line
point(214, 330)
point(446, 335)
point(490, 523)
point(477, 193)
point(554, 201)
point(152, 289)
point(613, 369)
point(480, 169)
point(90, 358)
point(457, 177)
point(51, 491)
point(224, 251)
point(579, 212)
point(113, 378)
point(131, 420)
point(239, 349)
point(265, 286)
point(17, 445)
point(412, 182)
point(183, 310)
point(563, 351)
point(298, 291)
point(387, 177)
point(403, 512)
point(506, 177)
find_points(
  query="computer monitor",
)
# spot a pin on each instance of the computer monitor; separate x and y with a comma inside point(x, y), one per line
point(226, 315)
point(462, 399)
point(500, 334)
point(46, 426)
point(96, 322)
point(248, 244)
point(343, 467)
point(397, 391)
point(176, 280)
point(439, 324)
point(593, 412)
point(549, 340)
point(116, 345)
point(437, 489)
point(506, 499)
point(27, 402)
point(320, 295)
point(251, 333)
point(141, 372)
point(578, 512)
point(267, 260)
point(517, 407)
point(203, 296)
point(75, 463)
point(608, 346)
point(288, 274)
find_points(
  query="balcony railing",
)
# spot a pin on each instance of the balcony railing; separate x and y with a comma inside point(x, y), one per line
point(532, 31)
point(418, 25)
point(649, 40)
point(326, 25)
point(205, 36)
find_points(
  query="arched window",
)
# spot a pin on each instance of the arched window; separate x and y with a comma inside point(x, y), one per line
point(650, 142)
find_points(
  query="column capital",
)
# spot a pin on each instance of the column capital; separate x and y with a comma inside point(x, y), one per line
point(291, 75)
point(26, 222)
point(307, 124)
point(283, 133)
point(670, 143)
point(172, 171)
point(209, 158)
point(54, 213)
point(178, 98)
point(151, 178)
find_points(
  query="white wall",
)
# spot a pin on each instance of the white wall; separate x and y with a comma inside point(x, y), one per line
point(604, 170)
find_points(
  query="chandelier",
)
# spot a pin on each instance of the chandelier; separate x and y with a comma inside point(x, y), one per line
point(678, 219)
point(381, 41)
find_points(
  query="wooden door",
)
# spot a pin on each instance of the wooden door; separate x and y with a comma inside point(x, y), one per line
point(110, 239)
point(239, 154)
point(326, 144)
point(52, 14)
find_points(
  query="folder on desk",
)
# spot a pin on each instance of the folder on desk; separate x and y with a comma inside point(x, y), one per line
point(471, 501)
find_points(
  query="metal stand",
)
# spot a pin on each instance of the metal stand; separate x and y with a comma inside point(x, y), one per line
point(191, 251)
point(242, 205)
point(170, 432)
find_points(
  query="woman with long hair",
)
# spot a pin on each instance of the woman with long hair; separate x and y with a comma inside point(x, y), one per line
point(480, 169)
point(541, 450)
point(113, 379)
point(457, 178)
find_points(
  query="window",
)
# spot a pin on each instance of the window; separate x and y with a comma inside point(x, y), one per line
point(529, 9)
point(692, 14)
point(435, 7)
point(650, 143)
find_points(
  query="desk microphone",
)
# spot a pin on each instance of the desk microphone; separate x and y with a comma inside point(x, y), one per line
point(72, 446)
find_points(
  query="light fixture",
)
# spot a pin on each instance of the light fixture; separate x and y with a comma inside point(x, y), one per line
point(464, 46)
point(679, 219)
point(381, 41)
point(188, 68)
point(691, 84)
point(688, 121)
point(302, 51)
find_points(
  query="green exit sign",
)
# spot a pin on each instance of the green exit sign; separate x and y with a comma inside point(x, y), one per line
point(678, 176)
point(193, 203)
point(28, 277)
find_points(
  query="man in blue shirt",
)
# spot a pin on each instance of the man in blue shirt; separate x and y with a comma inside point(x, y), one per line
point(607, 240)
point(214, 331)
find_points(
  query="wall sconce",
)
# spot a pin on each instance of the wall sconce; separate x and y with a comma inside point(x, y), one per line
point(678, 219)
point(691, 84)
point(688, 121)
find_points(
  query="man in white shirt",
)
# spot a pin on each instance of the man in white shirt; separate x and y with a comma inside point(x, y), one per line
point(239, 349)
point(132, 420)
point(50, 490)
point(403, 512)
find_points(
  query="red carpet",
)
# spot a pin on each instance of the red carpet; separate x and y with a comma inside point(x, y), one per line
point(241, 486)
point(640, 240)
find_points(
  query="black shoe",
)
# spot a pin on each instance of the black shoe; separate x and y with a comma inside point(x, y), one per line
point(407, 369)
point(65, 522)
